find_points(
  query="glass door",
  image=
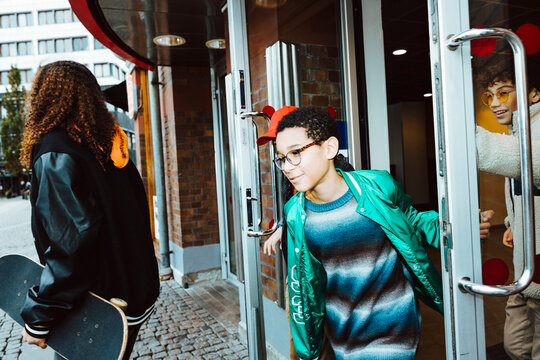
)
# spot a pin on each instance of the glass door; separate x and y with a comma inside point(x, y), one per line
point(482, 96)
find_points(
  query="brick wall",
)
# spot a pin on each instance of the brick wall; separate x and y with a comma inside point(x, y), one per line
point(189, 156)
point(320, 78)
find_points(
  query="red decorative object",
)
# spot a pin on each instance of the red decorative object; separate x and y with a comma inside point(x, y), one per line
point(494, 272)
point(268, 110)
point(530, 36)
point(332, 111)
point(483, 47)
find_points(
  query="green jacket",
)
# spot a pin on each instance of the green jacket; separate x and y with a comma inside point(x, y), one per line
point(381, 199)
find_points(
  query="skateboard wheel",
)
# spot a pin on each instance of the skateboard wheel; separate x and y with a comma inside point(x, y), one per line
point(122, 304)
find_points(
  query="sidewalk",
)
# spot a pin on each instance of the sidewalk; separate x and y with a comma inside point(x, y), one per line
point(180, 328)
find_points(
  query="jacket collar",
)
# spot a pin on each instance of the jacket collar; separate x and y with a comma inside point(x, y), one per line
point(534, 114)
point(365, 206)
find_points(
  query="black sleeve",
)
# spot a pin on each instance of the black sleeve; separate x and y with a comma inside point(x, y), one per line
point(68, 213)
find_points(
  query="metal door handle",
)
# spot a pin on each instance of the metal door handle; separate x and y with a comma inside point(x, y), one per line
point(526, 160)
point(252, 233)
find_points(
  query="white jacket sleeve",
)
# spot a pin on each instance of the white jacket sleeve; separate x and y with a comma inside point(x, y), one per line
point(498, 154)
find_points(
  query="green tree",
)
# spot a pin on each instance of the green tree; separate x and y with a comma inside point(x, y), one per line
point(12, 125)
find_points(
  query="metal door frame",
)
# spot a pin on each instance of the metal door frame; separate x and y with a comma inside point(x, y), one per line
point(238, 84)
point(454, 118)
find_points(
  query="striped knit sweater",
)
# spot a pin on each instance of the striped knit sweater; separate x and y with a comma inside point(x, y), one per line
point(370, 306)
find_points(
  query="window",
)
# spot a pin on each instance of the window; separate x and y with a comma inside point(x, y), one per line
point(42, 19)
point(60, 16)
point(4, 77)
point(4, 50)
point(98, 45)
point(24, 48)
point(24, 19)
point(80, 43)
point(50, 17)
point(62, 45)
point(4, 21)
point(102, 70)
point(15, 20)
point(26, 76)
point(59, 45)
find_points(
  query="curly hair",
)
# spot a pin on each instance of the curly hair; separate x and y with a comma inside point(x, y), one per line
point(498, 72)
point(66, 95)
point(503, 71)
point(319, 124)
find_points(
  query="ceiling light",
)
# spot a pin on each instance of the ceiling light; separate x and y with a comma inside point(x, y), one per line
point(169, 40)
point(428, 95)
point(399, 52)
point(216, 44)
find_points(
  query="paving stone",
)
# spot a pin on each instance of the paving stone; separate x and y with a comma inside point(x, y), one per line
point(179, 328)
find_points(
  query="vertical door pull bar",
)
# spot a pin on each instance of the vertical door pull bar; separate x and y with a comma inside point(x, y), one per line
point(252, 233)
point(526, 160)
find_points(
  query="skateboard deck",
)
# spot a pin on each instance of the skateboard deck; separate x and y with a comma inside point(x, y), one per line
point(94, 329)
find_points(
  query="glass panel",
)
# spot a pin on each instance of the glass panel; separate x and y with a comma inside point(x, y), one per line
point(77, 44)
point(12, 20)
point(21, 48)
point(21, 18)
point(4, 77)
point(98, 72)
point(50, 17)
point(29, 19)
point(68, 45)
point(84, 43)
point(59, 16)
point(495, 103)
point(12, 49)
point(42, 44)
point(42, 19)
point(50, 46)
point(59, 45)
point(4, 49)
point(4, 19)
point(302, 39)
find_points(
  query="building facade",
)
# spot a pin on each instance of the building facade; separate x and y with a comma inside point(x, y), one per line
point(34, 33)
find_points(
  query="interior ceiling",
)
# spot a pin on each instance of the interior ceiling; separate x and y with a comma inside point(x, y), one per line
point(136, 23)
point(405, 25)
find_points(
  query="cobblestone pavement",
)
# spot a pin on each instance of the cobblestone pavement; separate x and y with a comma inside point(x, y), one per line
point(180, 327)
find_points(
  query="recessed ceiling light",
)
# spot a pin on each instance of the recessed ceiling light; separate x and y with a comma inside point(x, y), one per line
point(428, 95)
point(399, 52)
point(169, 40)
point(216, 44)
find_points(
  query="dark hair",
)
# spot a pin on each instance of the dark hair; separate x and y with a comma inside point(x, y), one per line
point(498, 72)
point(502, 70)
point(319, 124)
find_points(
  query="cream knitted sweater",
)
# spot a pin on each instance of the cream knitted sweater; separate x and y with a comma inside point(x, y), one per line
point(499, 154)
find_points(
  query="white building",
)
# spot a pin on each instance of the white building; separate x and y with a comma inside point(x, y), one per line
point(36, 32)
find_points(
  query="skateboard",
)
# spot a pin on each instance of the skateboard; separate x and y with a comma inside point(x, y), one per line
point(94, 329)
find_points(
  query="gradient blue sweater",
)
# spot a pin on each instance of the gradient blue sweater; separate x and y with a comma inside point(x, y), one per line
point(370, 306)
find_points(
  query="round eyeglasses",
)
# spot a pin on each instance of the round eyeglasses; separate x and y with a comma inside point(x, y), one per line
point(293, 156)
point(501, 94)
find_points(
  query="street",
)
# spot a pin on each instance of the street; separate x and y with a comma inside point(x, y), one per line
point(16, 237)
point(180, 328)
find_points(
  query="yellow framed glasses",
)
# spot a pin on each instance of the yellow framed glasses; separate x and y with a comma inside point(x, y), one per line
point(501, 94)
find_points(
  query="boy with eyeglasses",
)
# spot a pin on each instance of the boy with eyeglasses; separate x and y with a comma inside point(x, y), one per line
point(356, 256)
point(499, 154)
